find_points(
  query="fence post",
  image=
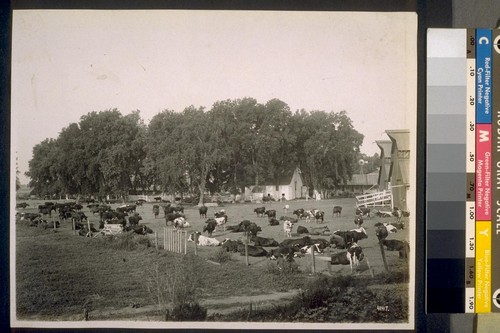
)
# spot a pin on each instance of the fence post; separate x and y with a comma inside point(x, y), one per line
point(156, 240)
point(313, 259)
point(246, 248)
point(383, 255)
point(185, 242)
point(164, 238)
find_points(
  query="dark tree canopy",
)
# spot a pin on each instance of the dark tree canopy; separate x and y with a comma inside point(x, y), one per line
point(235, 144)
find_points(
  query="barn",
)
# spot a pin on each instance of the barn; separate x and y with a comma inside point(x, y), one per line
point(290, 184)
point(400, 166)
point(385, 164)
point(362, 183)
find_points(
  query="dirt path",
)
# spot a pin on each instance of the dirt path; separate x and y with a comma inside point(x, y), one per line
point(214, 305)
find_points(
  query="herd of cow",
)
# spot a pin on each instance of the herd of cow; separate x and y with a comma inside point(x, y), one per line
point(347, 240)
point(72, 211)
point(289, 248)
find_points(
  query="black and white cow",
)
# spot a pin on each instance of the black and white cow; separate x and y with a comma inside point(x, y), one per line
point(260, 211)
point(261, 241)
point(363, 211)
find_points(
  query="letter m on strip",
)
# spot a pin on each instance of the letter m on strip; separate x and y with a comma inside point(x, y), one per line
point(484, 136)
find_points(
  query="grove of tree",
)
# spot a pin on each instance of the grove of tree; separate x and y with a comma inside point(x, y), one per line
point(237, 143)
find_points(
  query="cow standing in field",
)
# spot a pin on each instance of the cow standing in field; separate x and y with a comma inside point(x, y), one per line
point(363, 211)
point(337, 211)
point(358, 220)
point(260, 211)
point(203, 211)
point(210, 226)
point(287, 228)
point(298, 212)
point(270, 213)
point(134, 219)
point(221, 222)
point(156, 210)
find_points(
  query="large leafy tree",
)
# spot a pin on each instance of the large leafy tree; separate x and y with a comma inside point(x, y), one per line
point(100, 155)
point(328, 149)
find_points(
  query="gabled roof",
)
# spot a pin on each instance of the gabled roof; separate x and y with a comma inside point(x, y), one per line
point(285, 179)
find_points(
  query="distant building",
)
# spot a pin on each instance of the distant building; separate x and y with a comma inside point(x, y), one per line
point(290, 184)
point(362, 183)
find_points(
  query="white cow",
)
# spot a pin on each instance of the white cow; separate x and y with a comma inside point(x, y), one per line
point(180, 223)
point(221, 222)
point(287, 228)
point(203, 240)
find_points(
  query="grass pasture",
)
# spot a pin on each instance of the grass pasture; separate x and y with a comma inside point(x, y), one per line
point(59, 274)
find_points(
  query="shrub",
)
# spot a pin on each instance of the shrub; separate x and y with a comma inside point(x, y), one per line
point(128, 241)
point(189, 311)
point(221, 256)
point(176, 285)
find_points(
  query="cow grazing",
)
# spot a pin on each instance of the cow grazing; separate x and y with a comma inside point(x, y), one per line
point(302, 230)
point(287, 228)
point(134, 219)
point(22, 205)
point(203, 211)
point(363, 211)
point(337, 211)
point(396, 245)
point(270, 213)
point(273, 222)
point(260, 211)
point(156, 210)
point(319, 216)
point(201, 240)
point(261, 241)
point(210, 226)
point(298, 212)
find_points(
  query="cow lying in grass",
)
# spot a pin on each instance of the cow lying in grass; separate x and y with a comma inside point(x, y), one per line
point(261, 241)
point(202, 240)
point(181, 223)
point(396, 245)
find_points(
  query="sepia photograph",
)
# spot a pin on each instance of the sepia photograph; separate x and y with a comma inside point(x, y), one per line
point(213, 169)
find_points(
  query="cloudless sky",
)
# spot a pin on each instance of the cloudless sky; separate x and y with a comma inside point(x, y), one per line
point(68, 63)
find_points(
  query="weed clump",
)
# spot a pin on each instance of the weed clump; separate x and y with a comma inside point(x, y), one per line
point(221, 256)
point(128, 241)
